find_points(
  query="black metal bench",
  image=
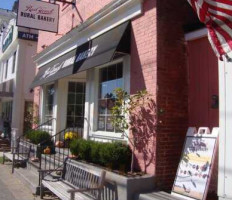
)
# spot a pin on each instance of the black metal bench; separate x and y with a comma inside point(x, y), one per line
point(76, 182)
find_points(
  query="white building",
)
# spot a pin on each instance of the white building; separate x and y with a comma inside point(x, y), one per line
point(17, 46)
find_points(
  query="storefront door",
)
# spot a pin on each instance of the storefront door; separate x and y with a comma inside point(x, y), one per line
point(75, 105)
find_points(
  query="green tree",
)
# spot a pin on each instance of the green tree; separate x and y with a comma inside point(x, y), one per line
point(126, 109)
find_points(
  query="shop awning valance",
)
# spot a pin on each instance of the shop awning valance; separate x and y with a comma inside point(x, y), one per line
point(96, 52)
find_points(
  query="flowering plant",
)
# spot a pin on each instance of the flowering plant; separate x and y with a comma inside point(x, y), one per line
point(70, 135)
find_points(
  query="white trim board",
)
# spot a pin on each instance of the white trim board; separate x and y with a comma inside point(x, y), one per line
point(225, 121)
point(196, 34)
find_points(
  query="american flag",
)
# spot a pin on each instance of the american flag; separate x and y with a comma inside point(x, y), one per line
point(217, 16)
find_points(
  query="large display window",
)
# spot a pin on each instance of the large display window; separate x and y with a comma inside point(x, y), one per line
point(110, 78)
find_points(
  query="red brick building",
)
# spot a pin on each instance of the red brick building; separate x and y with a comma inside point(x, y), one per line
point(159, 60)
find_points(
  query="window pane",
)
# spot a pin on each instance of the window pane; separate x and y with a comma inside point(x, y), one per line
point(111, 86)
point(110, 105)
point(102, 105)
point(79, 122)
point(112, 73)
point(71, 98)
point(103, 75)
point(109, 125)
point(79, 88)
point(119, 83)
point(119, 70)
point(71, 87)
point(71, 110)
point(70, 121)
point(101, 123)
point(49, 92)
point(78, 110)
point(80, 99)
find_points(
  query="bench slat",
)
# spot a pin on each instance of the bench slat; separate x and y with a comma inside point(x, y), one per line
point(60, 189)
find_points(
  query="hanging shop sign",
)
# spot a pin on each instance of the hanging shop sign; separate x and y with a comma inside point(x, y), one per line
point(27, 36)
point(38, 15)
point(8, 39)
point(195, 167)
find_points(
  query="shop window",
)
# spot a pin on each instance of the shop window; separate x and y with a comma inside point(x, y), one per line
point(7, 110)
point(75, 105)
point(14, 62)
point(49, 93)
point(110, 78)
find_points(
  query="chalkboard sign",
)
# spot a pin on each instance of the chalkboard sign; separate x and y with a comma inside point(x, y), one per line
point(195, 167)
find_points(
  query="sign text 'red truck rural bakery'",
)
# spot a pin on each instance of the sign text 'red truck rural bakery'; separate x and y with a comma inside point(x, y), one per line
point(38, 15)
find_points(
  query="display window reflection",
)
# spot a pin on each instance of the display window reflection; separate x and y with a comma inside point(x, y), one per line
point(110, 78)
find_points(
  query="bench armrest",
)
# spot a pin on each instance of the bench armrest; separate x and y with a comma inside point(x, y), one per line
point(83, 189)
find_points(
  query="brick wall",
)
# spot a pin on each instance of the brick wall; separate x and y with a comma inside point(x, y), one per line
point(144, 76)
point(172, 87)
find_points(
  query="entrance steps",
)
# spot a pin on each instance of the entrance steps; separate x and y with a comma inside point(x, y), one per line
point(30, 175)
point(4, 145)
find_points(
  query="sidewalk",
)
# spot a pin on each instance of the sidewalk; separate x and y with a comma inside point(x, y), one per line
point(11, 188)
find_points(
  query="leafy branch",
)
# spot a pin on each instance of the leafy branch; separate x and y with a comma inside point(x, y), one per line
point(124, 111)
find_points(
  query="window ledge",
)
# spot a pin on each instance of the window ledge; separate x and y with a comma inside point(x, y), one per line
point(107, 135)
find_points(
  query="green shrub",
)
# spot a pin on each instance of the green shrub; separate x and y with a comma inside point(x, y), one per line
point(38, 136)
point(85, 150)
point(105, 153)
point(74, 146)
point(95, 156)
point(114, 155)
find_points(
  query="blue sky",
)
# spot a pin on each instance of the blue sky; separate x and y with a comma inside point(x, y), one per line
point(6, 4)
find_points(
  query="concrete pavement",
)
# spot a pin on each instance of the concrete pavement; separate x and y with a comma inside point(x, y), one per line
point(11, 188)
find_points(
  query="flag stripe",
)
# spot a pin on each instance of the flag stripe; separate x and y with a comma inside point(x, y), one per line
point(217, 16)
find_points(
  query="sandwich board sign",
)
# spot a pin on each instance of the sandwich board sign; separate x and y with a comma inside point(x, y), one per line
point(38, 15)
point(195, 167)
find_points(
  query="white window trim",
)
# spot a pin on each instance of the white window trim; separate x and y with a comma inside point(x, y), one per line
point(92, 101)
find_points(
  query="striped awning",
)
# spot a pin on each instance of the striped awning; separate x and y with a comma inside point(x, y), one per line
point(217, 16)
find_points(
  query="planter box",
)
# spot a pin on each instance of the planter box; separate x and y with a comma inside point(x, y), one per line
point(119, 187)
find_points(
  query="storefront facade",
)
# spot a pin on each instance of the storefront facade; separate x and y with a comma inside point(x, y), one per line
point(16, 72)
point(78, 72)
